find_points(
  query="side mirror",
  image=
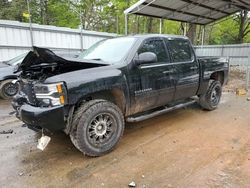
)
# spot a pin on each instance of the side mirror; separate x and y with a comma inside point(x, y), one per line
point(147, 57)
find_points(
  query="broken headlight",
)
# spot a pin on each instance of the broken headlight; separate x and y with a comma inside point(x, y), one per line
point(51, 94)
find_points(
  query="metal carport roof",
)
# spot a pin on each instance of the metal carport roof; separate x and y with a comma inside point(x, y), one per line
point(201, 12)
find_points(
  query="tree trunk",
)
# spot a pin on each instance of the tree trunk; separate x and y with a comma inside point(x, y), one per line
point(191, 34)
point(138, 24)
point(243, 27)
point(150, 25)
point(182, 28)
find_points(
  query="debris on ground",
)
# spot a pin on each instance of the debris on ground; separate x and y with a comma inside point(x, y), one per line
point(21, 173)
point(236, 80)
point(222, 174)
point(241, 91)
point(143, 176)
point(12, 113)
point(43, 142)
point(132, 184)
point(248, 99)
point(10, 131)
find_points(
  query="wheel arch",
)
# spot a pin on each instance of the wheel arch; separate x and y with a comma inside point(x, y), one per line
point(9, 77)
point(218, 76)
point(114, 95)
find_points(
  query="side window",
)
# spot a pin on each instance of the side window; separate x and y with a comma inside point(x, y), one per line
point(157, 47)
point(180, 50)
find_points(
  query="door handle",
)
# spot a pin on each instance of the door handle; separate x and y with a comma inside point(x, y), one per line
point(167, 72)
point(194, 68)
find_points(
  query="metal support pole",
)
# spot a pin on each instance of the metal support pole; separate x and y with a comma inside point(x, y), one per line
point(248, 72)
point(126, 24)
point(81, 31)
point(161, 26)
point(30, 23)
point(203, 35)
point(117, 24)
point(185, 29)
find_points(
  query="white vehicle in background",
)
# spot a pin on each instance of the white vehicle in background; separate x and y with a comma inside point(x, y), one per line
point(8, 89)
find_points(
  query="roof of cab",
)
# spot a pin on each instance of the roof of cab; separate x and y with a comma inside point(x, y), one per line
point(145, 36)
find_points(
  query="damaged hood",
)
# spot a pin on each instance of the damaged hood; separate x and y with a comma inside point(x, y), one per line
point(2, 65)
point(44, 56)
point(43, 63)
point(37, 57)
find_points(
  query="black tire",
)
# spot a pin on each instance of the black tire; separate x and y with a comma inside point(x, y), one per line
point(76, 118)
point(8, 89)
point(211, 99)
point(99, 126)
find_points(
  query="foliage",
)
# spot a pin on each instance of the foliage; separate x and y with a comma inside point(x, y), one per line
point(107, 16)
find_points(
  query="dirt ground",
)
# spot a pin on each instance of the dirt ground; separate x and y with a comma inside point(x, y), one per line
point(184, 148)
point(237, 79)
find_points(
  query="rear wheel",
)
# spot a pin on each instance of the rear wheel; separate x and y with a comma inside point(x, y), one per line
point(99, 127)
point(211, 98)
point(8, 89)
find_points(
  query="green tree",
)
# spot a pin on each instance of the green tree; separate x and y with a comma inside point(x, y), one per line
point(108, 16)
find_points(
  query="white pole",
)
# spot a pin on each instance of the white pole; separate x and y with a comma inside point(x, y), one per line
point(185, 29)
point(203, 35)
point(248, 72)
point(126, 24)
point(31, 33)
point(161, 26)
point(81, 22)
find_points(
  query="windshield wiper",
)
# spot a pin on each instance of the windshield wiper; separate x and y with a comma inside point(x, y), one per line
point(100, 59)
point(97, 59)
point(5, 62)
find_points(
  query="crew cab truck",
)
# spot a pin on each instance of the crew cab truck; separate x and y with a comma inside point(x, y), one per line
point(125, 79)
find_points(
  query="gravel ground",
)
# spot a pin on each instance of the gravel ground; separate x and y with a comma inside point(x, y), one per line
point(184, 148)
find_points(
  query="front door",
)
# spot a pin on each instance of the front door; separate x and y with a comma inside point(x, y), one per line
point(157, 82)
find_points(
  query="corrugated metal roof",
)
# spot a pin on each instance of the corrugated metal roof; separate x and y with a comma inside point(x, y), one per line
point(192, 11)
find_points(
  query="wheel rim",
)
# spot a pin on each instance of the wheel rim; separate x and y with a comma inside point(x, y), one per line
point(10, 89)
point(216, 95)
point(101, 129)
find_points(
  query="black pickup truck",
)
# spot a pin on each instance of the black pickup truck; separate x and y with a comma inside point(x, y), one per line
point(128, 79)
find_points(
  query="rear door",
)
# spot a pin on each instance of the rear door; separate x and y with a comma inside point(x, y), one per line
point(186, 68)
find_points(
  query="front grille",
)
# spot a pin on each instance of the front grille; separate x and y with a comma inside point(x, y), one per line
point(28, 90)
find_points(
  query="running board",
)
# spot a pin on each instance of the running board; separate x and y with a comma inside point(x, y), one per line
point(159, 112)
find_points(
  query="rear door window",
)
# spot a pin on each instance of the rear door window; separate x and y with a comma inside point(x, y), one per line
point(180, 50)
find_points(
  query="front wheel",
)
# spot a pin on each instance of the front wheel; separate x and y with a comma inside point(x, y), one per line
point(211, 99)
point(98, 128)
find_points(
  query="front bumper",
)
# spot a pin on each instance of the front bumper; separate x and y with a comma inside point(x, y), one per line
point(51, 118)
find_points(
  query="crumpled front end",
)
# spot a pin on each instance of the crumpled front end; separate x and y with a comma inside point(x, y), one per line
point(36, 113)
point(40, 103)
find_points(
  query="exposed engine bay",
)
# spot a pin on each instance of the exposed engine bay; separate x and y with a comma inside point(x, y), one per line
point(42, 63)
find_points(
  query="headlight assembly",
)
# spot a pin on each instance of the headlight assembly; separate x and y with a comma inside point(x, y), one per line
point(51, 94)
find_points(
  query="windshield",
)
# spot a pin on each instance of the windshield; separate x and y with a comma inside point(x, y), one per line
point(16, 60)
point(109, 51)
